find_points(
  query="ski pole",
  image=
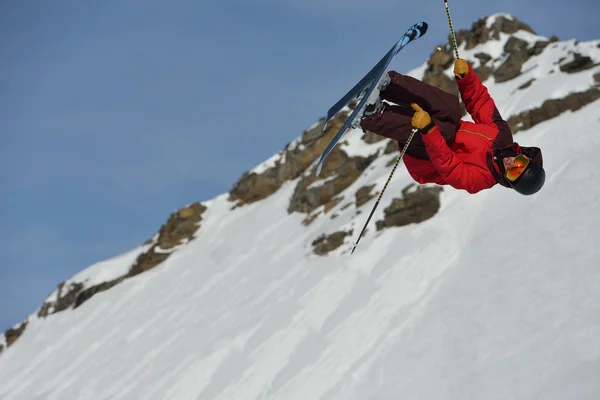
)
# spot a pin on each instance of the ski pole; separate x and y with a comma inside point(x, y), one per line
point(451, 29)
point(385, 186)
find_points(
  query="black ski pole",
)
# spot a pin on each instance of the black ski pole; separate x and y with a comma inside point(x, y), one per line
point(451, 29)
point(385, 186)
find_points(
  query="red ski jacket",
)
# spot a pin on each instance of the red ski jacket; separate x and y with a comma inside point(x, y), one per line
point(464, 164)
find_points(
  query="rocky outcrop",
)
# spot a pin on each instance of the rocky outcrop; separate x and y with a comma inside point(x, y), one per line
point(483, 58)
point(480, 32)
point(310, 218)
point(418, 203)
point(517, 55)
point(526, 84)
point(65, 298)
point(181, 226)
point(87, 294)
point(327, 243)
point(179, 229)
point(363, 195)
point(293, 161)
point(391, 147)
point(341, 171)
point(517, 52)
point(13, 334)
point(371, 138)
point(552, 108)
point(440, 60)
point(577, 64)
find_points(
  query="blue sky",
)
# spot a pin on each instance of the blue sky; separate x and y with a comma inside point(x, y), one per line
point(113, 114)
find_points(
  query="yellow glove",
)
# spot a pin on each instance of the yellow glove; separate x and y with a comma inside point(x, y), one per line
point(421, 119)
point(461, 68)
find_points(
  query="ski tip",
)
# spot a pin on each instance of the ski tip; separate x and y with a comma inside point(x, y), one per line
point(319, 168)
point(421, 27)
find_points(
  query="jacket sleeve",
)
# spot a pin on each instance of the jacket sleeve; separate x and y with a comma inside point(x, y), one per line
point(453, 171)
point(477, 100)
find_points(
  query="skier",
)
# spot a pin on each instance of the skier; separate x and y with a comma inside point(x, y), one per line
point(449, 151)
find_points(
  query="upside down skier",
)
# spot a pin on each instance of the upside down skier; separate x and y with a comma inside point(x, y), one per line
point(471, 156)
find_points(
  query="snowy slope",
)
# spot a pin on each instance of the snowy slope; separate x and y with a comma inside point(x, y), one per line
point(496, 297)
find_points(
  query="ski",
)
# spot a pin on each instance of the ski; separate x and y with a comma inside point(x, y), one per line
point(365, 87)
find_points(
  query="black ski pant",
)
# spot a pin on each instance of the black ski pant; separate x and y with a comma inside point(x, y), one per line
point(394, 121)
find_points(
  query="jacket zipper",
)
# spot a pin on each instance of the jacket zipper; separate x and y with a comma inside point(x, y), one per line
point(476, 133)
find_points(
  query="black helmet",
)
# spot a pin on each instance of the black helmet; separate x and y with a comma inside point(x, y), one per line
point(531, 180)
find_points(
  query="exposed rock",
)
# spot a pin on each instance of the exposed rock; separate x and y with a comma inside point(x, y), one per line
point(341, 171)
point(518, 55)
point(342, 208)
point(332, 203)
point(65, 299)
point(326, 243)
point(578, 64)
point(527, 84)
point(352, 105)
point(552, 108)
point(539, 46)
point(483, 58)
point(294, 159)
point(1, 348)
point(439, 61)
point(364, 194)
point(91, 291)
point(416, 205)
point(511, 68)
point(12, 335)
point(597, 79)
point(371, 138)
point(254, 187)
point(309, 220)
point(560, 60)
point(515, 45)
point(391, 162)
point(480, 33)
point(391, 147)
point(182, 225)
point(148, 260)
point(179, 228)
point(483, 72)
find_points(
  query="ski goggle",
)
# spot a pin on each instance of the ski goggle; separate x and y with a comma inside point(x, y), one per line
point(513, 172)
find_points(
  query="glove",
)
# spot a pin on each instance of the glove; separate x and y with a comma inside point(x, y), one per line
point(461, 68)
point(421, 119)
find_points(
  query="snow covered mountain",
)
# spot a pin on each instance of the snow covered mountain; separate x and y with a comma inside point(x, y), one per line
point(254, 294)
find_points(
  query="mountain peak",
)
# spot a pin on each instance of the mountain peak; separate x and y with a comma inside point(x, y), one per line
point(490, 28)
